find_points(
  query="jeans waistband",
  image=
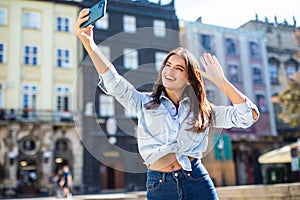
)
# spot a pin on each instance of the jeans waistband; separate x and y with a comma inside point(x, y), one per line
point(170, 175)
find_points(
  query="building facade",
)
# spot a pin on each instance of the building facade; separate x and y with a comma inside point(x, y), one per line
point(244, 59)
point(135, 36)
point(283, 63)
point(282, 48)
point(38, 61)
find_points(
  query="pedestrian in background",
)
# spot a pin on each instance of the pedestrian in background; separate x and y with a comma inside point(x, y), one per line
point(175, 118)
point(58, 183)
point(67, 182)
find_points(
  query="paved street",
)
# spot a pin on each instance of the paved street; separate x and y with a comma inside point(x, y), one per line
point(119, 196)
point(289, 191)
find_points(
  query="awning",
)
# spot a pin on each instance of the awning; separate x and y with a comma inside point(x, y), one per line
point(281, 155)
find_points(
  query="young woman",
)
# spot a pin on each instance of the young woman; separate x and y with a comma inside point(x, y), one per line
point(174, 120)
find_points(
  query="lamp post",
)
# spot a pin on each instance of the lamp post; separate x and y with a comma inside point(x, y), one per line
point(222, 157)
point(298, 152)
point(111, 128)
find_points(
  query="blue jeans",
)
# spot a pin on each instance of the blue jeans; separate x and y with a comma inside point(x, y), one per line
point(181, 184)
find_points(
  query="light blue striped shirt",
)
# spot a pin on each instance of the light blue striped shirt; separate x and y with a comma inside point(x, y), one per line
point(161, 131)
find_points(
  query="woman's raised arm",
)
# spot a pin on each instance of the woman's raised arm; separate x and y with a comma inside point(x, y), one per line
point(86, 37)
point(214, 73)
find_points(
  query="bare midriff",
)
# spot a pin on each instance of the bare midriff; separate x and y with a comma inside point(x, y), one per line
point(167, 163)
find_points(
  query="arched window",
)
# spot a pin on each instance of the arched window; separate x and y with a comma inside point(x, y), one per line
point(61, 145)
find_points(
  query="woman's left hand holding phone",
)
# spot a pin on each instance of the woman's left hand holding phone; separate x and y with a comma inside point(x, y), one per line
point(85, 34)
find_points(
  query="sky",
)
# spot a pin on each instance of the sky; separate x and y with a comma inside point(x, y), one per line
point(234, 13)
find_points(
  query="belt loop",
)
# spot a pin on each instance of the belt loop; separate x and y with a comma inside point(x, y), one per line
point(163, 176)
point(185, 173)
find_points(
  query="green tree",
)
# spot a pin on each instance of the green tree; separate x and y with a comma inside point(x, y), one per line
point(290, 99)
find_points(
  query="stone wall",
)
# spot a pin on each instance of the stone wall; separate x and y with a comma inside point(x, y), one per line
point(261, 192)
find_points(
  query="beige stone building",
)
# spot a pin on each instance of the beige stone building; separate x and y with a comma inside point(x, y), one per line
point(39, 59)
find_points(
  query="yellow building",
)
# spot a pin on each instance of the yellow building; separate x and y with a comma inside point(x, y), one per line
point(39, 59)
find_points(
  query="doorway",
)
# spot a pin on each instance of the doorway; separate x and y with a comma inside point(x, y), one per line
point(28, 178)
point(110, 178)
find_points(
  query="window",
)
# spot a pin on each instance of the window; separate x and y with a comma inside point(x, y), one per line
point(261, 102)
point(28, 144)
point(103, 23)
point(1, 97)
point(254, 50)
point(62, 24)
point(61, 145)
point(290, 70)
point(205, 41)
point(129, 24)
point(63, 95)
point(130, 59)
point(159, 28)
point(273, 73)
point(233, 73)
point(231, 47)
point(2, 53)
point(3, 16)
point(29, 95)
point(257, 76)
point(159, 58)
point(30, 55)
point(107, 107)
point(31, 20)
point(63, 58)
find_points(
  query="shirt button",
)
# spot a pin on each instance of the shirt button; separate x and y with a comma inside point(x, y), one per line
point(176, 174)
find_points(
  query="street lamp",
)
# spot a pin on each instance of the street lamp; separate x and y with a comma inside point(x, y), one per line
point(47, 154)
point(12, 155)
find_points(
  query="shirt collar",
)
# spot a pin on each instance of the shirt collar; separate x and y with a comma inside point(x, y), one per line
point(186, 98)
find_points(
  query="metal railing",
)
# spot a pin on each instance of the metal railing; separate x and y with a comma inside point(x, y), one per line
point(29, 115)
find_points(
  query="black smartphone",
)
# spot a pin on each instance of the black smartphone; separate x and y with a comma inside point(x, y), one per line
point(96, 12)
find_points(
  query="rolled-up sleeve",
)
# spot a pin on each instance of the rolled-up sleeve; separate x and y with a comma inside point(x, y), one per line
point(238, 115)
point(109, 81)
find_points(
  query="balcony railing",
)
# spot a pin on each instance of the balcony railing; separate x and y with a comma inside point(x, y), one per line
point(30, 115)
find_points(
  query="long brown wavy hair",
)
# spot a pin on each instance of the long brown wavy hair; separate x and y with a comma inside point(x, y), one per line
point(199, 105)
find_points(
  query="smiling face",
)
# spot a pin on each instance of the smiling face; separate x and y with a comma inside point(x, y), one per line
point(175, 76)
point(180, 74)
